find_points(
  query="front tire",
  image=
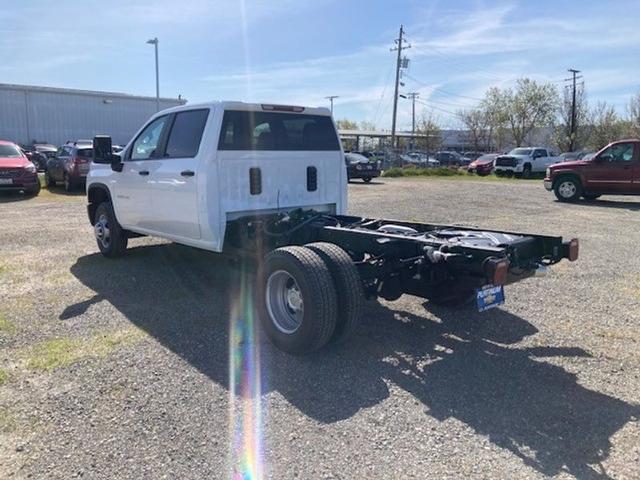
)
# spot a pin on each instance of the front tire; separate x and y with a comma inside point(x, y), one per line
point(526, 172)
point(34, 192)
point(366, 180)
point(296, 300)
point(348, 288)
point(112, 239)
point(568, 189)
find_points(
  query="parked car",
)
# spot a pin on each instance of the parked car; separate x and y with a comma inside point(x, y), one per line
point(421, 159)
point(359, 166)
point(571, 156)
point(614, 170)
point(17, 172)
point(452, 158)
point(525, 161)
point(472, 155)
point(69, 166)
point(39, 154)
point(483, 165)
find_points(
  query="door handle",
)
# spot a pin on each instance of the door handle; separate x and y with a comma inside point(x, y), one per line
point(187, 173)
point(143, 172)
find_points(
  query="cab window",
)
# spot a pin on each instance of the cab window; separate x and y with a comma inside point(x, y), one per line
point(145, 146)
point(620, 152)
point(186, 134)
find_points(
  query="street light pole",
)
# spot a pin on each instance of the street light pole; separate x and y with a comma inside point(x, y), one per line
point(154, 42)
point(331, 97)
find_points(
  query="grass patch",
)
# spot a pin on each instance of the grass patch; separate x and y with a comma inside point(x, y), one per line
point(412, 171)
point(63, 351)
point(4, 376)
point(6, 326)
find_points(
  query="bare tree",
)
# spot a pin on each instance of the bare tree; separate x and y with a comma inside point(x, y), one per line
point(476, 122)
point(428, 126)
point(530, 106)
point(562, 131)
point(633, 115)
point(606, 126)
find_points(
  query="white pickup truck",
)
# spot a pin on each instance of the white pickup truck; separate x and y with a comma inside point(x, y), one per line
point(525, 161)
point(268, 183)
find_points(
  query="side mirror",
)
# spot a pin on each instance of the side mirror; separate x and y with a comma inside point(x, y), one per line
point(103, 153)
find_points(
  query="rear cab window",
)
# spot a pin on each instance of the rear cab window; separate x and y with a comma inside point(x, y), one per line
point(245, 130)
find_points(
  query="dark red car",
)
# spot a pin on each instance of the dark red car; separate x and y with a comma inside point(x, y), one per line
point(614, 170)
point(483, 165)
point(16, 171)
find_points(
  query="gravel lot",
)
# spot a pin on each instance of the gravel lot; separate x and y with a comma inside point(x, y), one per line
point(121, 368)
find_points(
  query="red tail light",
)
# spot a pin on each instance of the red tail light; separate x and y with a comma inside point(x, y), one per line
point(573, 249)
point(497, 270)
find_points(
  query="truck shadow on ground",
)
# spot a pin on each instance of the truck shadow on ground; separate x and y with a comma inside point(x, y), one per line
point(458, 364)
point(623, 205)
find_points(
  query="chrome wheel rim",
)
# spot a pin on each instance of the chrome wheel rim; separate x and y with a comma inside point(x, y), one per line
point(102, 232)
point(284, 302)
point(567, 189)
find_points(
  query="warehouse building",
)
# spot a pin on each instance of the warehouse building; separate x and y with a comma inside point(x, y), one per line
point(55, 115)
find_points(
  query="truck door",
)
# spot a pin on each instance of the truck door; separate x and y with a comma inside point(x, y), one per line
point(174, 188)
point(540, 160)
point(613, 169)
point(133, 187)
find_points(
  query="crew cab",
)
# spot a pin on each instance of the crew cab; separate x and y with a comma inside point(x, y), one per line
point(268, 184)
point(614, 170)
point(525, 162)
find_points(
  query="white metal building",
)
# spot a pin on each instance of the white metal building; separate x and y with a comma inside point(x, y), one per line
point(56, 115)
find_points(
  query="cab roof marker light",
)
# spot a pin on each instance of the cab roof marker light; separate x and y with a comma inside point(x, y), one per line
point(282, 108)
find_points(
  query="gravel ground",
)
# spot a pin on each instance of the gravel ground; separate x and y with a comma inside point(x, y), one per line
point(121, 368)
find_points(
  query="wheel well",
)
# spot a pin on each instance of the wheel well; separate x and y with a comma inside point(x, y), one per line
point(565, 176)
point(96, 195)
point(527, 165)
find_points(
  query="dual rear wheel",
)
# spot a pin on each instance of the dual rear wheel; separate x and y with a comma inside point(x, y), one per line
point(308, 296)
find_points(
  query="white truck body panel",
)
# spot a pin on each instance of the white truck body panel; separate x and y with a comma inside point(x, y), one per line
point(538, 163)
point(194, 210)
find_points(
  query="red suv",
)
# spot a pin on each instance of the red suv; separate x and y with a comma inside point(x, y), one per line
point(16, 171)
point(614, 170)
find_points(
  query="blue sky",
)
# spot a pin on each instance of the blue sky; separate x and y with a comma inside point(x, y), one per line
point(296, 51)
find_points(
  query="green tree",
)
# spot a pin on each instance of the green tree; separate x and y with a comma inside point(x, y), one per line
point(633, 116)
point(531, 105)
point(345, 124)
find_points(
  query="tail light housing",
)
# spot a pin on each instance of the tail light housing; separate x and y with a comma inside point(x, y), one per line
point(573, 249)
point(496, 270)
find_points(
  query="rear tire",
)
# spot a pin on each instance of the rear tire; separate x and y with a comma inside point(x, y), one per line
point(68, 184)
point(567, 189)
point(111, 237)
point(348, 288)
point(296, 300)
point(50, 182)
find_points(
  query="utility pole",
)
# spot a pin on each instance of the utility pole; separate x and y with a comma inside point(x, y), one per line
point(399, 47)
point(572, 134)
point(331, 97)
point(413, 96)
point(154, 42)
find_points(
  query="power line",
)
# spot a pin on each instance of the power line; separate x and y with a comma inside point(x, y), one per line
point(437, 89)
